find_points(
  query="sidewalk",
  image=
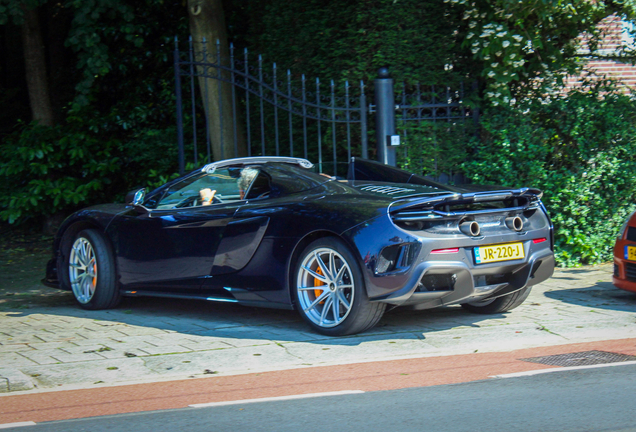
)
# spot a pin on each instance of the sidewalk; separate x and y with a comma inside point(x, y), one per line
point(54, 344)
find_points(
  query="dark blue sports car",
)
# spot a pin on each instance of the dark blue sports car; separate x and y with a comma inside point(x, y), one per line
point(270, 231)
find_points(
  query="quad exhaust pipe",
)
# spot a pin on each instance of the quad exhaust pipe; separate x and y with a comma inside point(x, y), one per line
point(470, 228)
point(514, 223)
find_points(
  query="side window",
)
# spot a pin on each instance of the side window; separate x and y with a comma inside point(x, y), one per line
point(260, 187)
point(290, 179)
point(222, 186)
point(245, 181)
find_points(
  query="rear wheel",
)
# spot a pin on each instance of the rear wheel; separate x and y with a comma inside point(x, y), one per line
point(499, 304)
point(91, 271)
point(329, 290)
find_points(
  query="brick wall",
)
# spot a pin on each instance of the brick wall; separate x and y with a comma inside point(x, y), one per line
point(614, 38)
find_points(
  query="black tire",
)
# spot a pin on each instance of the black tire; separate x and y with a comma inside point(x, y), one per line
point(499, 304)
point(352, 312)
point(89, 269)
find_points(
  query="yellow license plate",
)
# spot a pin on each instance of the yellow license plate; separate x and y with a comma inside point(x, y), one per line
point(503, 252)
point(630, 253)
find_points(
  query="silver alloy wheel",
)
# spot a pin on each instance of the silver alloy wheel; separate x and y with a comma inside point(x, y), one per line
point(325, 287)
point(82, 269)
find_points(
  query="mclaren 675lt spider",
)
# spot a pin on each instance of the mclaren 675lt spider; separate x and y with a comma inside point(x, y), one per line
point(271, 231)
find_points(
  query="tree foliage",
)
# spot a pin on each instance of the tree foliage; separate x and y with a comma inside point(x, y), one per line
point(117, 122)
point(580, 149)
point(527, 48)
point(350, 40)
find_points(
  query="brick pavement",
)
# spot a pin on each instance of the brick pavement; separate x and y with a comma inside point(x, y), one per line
point(57, 345)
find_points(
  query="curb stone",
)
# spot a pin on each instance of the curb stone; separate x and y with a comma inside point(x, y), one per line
point(14, 380)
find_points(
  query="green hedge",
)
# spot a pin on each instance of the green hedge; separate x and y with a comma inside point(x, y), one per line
point(433, 148)
point(579, 148)
point(51, 170)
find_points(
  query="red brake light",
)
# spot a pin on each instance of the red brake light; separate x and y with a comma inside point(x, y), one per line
point(539, 240)
point(442, 251)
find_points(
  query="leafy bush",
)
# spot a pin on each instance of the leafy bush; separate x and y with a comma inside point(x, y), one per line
point(323, 38)
point(50, 170)
point(116, 128)
point(433, 148)
point(45, 170)
point(529, 48)
point(580, 149)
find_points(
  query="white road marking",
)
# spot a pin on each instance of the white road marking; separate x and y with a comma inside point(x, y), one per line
point(561, 369)
point(278, 398)
point(18, 424)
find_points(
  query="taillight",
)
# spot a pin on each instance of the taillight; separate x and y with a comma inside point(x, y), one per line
point(445, 251)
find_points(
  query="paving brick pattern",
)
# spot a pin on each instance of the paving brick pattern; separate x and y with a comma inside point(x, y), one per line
point(64, 346)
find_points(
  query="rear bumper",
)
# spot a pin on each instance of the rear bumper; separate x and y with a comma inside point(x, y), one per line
point(624, 271)
point(624, 284)
point(457, 279)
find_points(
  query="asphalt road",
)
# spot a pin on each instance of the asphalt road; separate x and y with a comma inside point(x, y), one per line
point(597, 399)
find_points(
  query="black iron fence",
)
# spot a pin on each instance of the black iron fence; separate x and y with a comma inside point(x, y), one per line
point(229, 105)
point(434, 124)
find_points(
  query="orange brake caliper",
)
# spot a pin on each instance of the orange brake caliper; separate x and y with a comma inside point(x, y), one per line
point(95, 273)
point(318, 282)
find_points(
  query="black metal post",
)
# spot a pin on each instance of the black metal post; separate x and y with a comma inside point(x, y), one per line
point(247, 102)
point(333, 128)
point(236, 153)
point(289, 110)
point(275, 92)
point(319, 131)
point(220, 93)
point(260, 94)
point(193, 103)
point(363, 122)
point(384, 116)
point(177, 76)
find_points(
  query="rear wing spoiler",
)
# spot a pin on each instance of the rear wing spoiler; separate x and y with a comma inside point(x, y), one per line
point(445, 206)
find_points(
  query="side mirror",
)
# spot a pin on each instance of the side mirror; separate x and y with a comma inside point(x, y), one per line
point(136, 197)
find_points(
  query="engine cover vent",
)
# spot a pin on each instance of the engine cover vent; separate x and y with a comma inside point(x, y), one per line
point(388, 190)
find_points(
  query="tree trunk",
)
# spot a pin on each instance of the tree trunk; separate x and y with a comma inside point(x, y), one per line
point(207, 20)
point(35, 68)
point(57, 21)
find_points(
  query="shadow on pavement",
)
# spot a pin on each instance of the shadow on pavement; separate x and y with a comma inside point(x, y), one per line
point(195, 317)
point(602, 295)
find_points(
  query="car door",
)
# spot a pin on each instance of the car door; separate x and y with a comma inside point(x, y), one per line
point(244, 233)
point(173, 244)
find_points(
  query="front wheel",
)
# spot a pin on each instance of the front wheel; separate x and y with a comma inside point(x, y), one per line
point(499, 304)
point(329, 290)
point(91, 271)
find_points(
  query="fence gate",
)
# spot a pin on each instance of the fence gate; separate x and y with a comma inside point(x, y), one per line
point(229, 105)
point(272, 117)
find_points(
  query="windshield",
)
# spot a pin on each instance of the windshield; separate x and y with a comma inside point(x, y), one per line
point(222, 186)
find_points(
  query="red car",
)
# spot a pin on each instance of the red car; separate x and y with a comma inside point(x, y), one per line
point(625, 256)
